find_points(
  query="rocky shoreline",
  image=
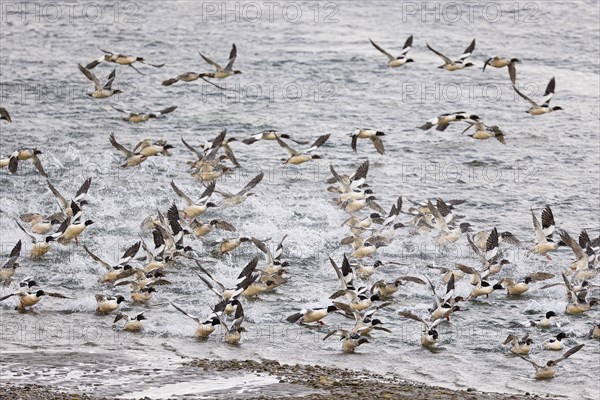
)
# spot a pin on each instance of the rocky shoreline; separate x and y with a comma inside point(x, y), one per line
point(305, 382)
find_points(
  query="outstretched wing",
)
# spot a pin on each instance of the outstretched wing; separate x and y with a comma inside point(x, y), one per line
point(250, 185)
point(185, 313)
point(90, 75)
point(468, 51)
point(211, 62)
point(443, 57)
point(287, 148)
point(119, 147)
point(388, 55)
point(318, 143)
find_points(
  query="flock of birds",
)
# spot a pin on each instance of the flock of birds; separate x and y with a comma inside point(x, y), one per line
point(173, 234)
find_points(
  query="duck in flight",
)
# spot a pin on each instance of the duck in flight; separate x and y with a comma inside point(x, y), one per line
point(499, 62)
point(120, 59)
point(373, 135)
point(402, 59)
point(143, 117)
point(193, 208)
point(100, 91)
point(221, 72)
point(441, 122)
point(189, 77)
point(231, 199)
point(457, 64)
point(271, 134)
point(133, 159)
point(482, 131)
point(66, 206)
point(544, 107)
point(297, 157)
point(25, 154)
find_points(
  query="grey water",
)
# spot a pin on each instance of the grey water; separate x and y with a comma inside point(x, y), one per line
point(307, 69)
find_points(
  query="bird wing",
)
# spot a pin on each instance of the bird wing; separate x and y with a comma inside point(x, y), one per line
point(110, 80)
point(353, 142)
point(185, 313)
point(210, 188)
point(477, 251)
point(264, 248)
point(181, 194)
point(378, 143)
point(130, 253)
point(339, 274)
point(388, 55)
point(468, 51)
point(407, 45)
point(287, 148)
point(361, 172)
point(541, 276)
point(449, 289)
point(438, 299)
point(83, 189)
point(33, 240)
point(119, 147)
point(279, 248)
point(64, 204)
point(232, 57)
point(469, 270)
point(572, 243)
point(231, 156)
point(512, 73)
point(539, 234)
point(4, 114)
point(536, 365)
point(409, 315)
point(97, 259)
point(223, 225)
point(548, 224)
point(211, 62)
point(239, 317)
point(413, 279)
point(192, 148)
point(439, 219)
point(569, 353)
point(166, 110)
point(549, 93)
point(345, 187)
point(57, 295)
point(91, 76)
point(443, 57)
point(250, 185)
point(211, 287)
point(318, 143)
point(38, 164)
point(533, 103)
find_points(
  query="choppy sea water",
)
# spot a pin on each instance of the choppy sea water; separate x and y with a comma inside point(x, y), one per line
point(308, 69)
